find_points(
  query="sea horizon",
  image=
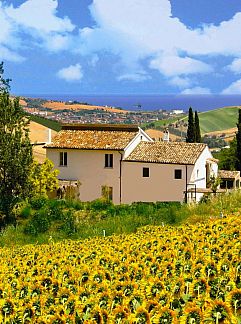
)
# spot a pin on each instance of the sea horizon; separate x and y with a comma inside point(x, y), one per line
point(148, 102)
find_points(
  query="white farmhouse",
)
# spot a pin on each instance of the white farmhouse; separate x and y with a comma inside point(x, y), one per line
point(125, 162)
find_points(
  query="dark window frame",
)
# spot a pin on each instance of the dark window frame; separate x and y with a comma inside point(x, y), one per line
point(63, 159)
point(109, 160)
point(178, 174)
point(145, 172)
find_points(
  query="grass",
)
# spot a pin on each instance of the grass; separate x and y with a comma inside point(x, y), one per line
point(219, 119)
point(78, 220)
point(52, 124)
point(160, 123)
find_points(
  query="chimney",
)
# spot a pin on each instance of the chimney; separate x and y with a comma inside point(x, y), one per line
point(49, 136)
point(166, 135)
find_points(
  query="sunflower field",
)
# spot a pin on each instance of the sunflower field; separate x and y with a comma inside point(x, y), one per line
point(186, 274)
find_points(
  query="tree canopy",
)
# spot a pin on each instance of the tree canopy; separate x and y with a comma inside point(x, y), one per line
point(238, 140)
point(197, 131)
point(190, 129)
point(15, 151)
point(43, 178)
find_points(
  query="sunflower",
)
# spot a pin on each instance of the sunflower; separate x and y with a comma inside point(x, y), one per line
point(142, 316)
point(192, 315)
point(119, 314)
point(234, 300)
point(165, 316)
point(219, 312)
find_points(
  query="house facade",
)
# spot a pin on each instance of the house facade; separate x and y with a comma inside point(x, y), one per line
point(124, 163)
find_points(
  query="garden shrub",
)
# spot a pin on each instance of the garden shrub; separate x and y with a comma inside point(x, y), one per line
point(75, 204)
point(38, 202)
point(55, 212)
point(99, 204)
point(40, 223)
point(30, 229)
point(26, 212)
point(69, 226)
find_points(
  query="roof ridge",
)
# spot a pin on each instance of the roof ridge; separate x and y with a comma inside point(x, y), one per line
point(101, 127)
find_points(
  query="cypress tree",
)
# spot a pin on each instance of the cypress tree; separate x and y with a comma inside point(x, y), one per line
point(238, 138)
point(190, 129)
point(15, 152)
point(197, 129)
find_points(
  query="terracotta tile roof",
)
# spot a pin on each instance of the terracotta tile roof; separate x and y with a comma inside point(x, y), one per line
point(225, 174)
point(170, 153)
point(104, 137)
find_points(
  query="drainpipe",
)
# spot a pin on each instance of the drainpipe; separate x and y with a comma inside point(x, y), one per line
point(120, 177)
point(186, 187)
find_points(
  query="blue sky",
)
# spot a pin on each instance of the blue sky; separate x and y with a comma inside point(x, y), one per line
point(121, 46)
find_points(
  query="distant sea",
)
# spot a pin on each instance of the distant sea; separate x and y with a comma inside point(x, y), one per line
point(151, 102)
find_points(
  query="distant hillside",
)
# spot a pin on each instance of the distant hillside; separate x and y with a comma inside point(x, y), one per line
point(218, 119)
point(49, 123)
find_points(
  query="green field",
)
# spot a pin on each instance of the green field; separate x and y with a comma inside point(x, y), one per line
point(218, 119)
point(160, 123)
point(52, 124)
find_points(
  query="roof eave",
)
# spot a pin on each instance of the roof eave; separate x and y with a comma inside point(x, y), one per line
point(83, 148)
point(158, 162)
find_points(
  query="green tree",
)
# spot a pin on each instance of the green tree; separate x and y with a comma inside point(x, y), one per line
point(197, 129)
point(228, 157)
point(15, 151)
point(190, 129)
point(43, 178)
point(238, 140)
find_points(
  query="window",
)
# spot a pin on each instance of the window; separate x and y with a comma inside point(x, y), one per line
point(63, 160)
point(107, 193)
point(146, 173)
point(108, 160)
point(178, 174)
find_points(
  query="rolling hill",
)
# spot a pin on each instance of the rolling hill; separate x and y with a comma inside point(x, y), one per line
point(219, 119)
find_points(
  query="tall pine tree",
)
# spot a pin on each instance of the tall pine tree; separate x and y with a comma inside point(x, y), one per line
point(15, 152)
point(190, 129)
point(197, 129)
point(238, 138)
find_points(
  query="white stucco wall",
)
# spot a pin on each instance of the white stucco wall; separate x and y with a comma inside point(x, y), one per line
point(198, 176)
point(141, 136)
point(160, 186)
point(87, 166)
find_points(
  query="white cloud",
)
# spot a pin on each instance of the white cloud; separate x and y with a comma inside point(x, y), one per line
point(57, 42)
point(8, 55)
point(71, 74)
point(139, 34)
point(146, 30)
point(38, 22)
point(234, 88)
point(174, 65)
point(5, 26)
point(235, 66)
point(40, 15)
point(181, 82)
point(94, 60)
point(138, 77)
point(196, 90)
